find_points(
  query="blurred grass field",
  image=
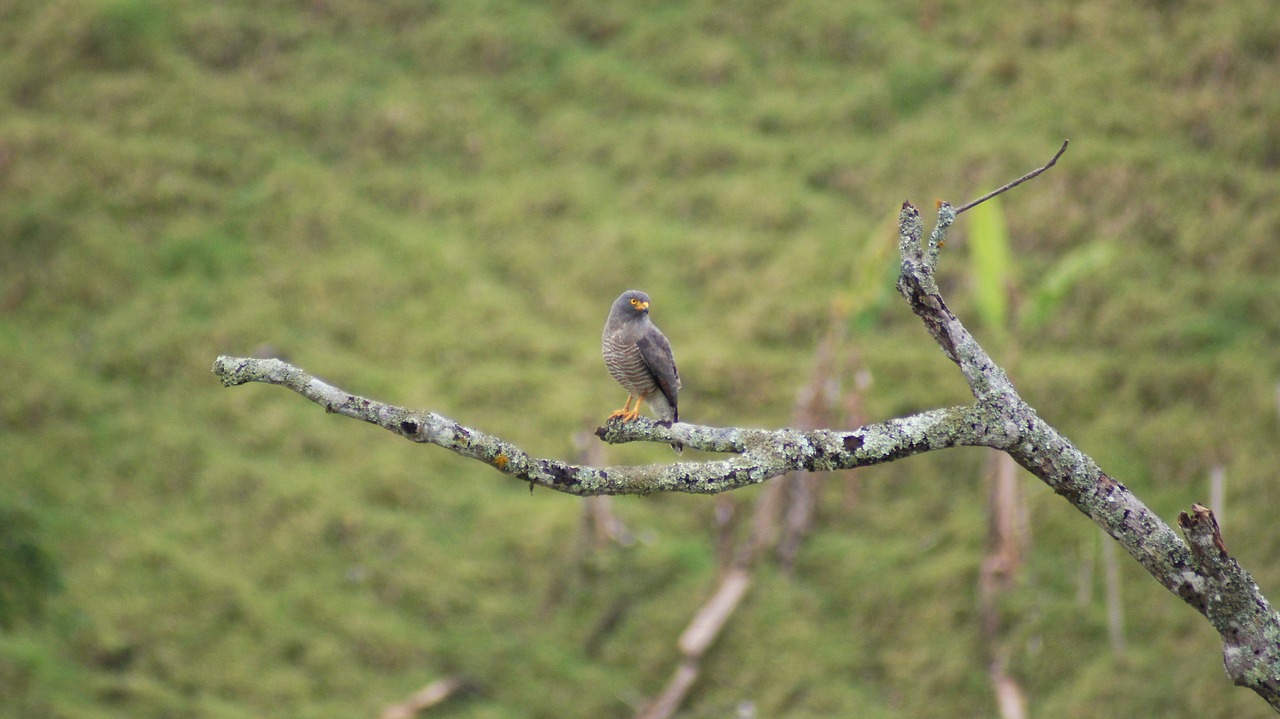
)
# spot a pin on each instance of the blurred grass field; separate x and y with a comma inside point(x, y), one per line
point(434, 204)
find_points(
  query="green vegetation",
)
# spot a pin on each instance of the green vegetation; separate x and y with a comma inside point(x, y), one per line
point(434, 204)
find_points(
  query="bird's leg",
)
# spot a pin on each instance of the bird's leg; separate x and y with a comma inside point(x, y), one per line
point(625, 412)
point(635, 410)
point(628, 412)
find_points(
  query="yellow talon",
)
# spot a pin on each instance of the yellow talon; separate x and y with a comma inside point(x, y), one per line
point(628, 413)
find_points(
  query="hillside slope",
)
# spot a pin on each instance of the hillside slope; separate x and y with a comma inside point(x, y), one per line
point(434, 204)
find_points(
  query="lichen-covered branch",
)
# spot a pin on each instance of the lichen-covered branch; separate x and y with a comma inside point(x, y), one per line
point(1210, 581)
point(757, 454)
point(1027, 438)
point(917, 285)
point(1201, 572)
point(1235, 607)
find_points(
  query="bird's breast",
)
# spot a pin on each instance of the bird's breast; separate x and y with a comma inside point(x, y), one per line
point(627, 366)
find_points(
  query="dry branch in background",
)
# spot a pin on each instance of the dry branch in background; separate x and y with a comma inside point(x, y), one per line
point(791, 497)
point(695, 640)
point(1199, 570)
point(432, 694)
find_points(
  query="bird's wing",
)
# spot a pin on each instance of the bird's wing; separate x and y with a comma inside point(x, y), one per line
point(655, 350)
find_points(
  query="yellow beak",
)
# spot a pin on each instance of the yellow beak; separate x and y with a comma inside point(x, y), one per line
point(642, 306)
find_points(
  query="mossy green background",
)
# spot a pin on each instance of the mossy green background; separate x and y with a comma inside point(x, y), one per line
point(434, 203)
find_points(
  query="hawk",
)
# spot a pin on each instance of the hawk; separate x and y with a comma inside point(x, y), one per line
point(639, 356)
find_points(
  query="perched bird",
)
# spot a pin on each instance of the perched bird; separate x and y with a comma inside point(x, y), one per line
point(639, 356)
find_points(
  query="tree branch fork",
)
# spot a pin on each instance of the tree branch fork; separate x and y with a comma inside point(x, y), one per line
point(1197, 570)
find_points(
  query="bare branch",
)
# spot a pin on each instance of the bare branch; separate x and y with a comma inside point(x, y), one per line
point(1030, 441)
point(757, 454)
point(1202, 574)
point(432, 694)
point(1016, 182)
point(1235, 606)
point(916, 283)
point(1210, 581)
point(694, 642)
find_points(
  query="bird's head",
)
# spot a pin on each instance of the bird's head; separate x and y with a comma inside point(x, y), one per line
point(633, 304)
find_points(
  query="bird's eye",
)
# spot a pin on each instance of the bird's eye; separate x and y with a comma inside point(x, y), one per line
point(634, 300)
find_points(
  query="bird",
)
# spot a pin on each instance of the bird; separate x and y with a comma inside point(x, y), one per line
point(639, 357)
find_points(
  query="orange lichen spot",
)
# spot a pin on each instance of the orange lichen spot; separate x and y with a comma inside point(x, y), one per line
point(501, 461)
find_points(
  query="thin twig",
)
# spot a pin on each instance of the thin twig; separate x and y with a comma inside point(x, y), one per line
point(1016, 182)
